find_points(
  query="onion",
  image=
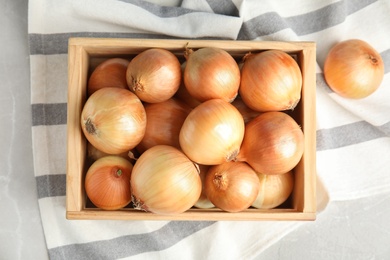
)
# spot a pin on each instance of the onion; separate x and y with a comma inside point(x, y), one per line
point(154, 75)
point(107, 182)
point(109, 73)
point(164, 121)
point(165, 181)
point(247, 113)
point(274, 190)
point(113, 120)
point(353, 69)
point(93, 153)
point(183, 94)
point(203, 202)
point(231, 186)
point(211, 73)
point(270, 81)
point(212, 133)
point(273, 143)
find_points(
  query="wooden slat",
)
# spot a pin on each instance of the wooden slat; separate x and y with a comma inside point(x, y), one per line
point(76, 143)
point(199, 215)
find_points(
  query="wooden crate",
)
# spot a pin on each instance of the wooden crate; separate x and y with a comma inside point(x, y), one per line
point(85, 53)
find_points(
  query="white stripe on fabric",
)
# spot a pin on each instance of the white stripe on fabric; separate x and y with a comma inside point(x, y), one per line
point(253, 8)
point(373, 109)
point(50, 141)
point(356, 171)
point(49, 78)
point(334, 110)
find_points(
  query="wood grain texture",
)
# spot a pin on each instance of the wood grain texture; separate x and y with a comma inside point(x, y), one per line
point(86, 51)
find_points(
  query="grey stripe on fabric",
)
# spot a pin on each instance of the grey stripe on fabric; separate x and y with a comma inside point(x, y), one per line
point(130, 245)
point(303, 24)
point(49, 114)
point(159, 10)
point(57, 43)
point(350, 134)
point(51, 185)
point(226, 7)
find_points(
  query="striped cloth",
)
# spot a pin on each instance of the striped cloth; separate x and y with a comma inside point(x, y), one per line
point(353, 136)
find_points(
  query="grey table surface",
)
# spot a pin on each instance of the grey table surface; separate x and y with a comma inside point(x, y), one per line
point(356, 229)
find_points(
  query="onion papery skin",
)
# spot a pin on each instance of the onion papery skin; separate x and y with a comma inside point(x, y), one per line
point(113, 120)
point(231, 186)
point(273, 143)
point(247, 113)
point(212, 133)
point(107, 182)
point(182, 93)
point(108, 74)
point(270, 81)
point(211, 73)
point(203, 202)
point(164, 121)
point(94, 154)
point(274, 190)
point(154, 75)
point(164, 181)
point(353, 69)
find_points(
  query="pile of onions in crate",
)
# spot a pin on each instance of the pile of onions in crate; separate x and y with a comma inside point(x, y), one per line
point(165, 136)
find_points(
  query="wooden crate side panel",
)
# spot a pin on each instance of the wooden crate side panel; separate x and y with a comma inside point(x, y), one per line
point(305, 191)
point(76, 144)
point(194, 215)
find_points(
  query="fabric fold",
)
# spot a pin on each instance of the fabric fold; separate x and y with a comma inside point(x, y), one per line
point(180, 22)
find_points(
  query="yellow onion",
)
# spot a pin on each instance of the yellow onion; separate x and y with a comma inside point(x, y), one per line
point(93, 153)
point(212, 133)
point(274, 190)
point(113, 120)
point(164, 181)
point(353, 69)
point(154, 75)
point(109, 73)
point(211, 73)
point(164, 121)
point(231, 186)
point(182, 93)
point(107, 182)
point(247, 113)
point(270, 81)
point(203, 202)
point(273, 143)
